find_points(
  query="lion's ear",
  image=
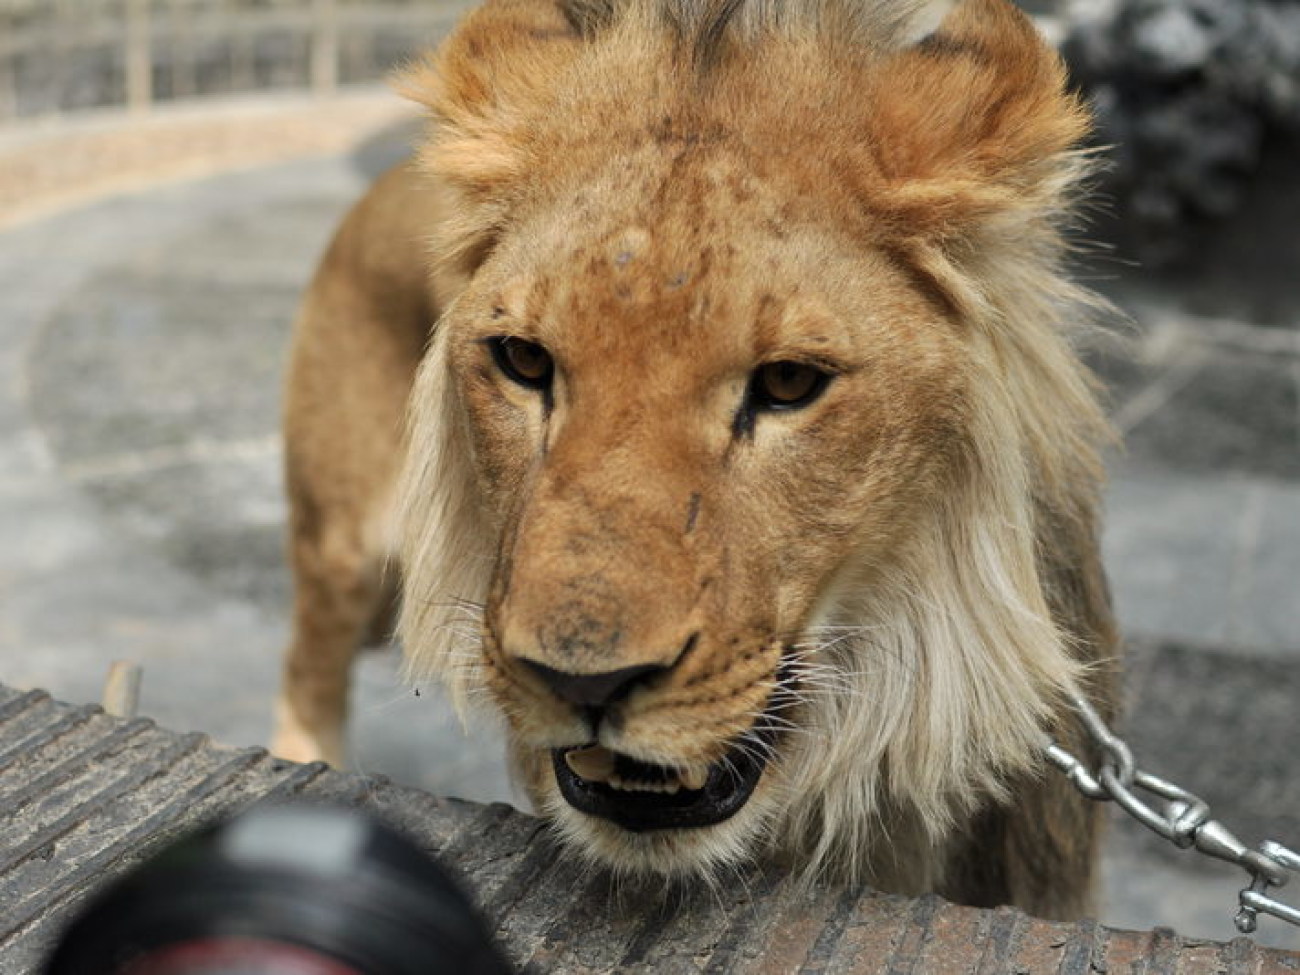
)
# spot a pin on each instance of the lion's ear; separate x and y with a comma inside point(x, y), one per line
point(974, 121)
point(480, 86)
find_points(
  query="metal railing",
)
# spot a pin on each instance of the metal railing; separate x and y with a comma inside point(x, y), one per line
point(60, 56)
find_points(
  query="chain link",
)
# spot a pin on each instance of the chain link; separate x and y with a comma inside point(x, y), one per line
point(1183, 819)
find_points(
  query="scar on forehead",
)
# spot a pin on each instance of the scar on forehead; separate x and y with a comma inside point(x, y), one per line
point(629, 244)
point(692, 511)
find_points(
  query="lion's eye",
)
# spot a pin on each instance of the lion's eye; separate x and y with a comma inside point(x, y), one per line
point(526, 363)
point(785, 385)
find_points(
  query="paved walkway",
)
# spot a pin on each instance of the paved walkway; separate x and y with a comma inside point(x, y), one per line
point(141, 345)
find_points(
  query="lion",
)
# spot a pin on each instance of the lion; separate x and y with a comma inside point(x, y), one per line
point(713, 373)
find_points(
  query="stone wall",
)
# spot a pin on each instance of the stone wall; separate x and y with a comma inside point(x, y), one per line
point(66, 55)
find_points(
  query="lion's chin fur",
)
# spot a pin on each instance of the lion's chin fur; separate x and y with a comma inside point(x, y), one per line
point(672, 855)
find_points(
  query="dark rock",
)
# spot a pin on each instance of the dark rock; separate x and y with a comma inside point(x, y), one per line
point(1188, 93)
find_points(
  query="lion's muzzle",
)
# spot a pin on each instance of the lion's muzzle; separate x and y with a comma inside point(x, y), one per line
point(615, 645)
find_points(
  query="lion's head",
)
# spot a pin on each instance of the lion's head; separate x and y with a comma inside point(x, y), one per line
point(730, 457)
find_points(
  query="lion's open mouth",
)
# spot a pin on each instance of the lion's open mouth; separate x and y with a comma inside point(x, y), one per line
point(640, 796)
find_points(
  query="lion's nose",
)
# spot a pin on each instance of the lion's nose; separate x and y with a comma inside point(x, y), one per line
point(594, 690)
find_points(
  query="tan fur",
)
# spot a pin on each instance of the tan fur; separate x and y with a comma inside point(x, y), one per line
point(666, 194)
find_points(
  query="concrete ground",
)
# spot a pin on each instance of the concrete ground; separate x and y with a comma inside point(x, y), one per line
point(141, 344)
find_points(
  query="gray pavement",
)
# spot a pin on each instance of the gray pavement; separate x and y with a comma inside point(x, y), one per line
point(141, 344)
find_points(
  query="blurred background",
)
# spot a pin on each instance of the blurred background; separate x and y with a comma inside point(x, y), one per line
point(170, 170)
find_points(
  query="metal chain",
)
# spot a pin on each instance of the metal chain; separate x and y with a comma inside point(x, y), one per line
point(1184, 820)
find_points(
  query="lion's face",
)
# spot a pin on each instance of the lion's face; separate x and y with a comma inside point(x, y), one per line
point(754, 336)
point(684, 414)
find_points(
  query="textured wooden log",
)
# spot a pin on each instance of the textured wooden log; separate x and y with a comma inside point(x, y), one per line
point(85, 796)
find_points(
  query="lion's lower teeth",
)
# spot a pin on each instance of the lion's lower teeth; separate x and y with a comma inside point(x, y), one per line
point(632, 785)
